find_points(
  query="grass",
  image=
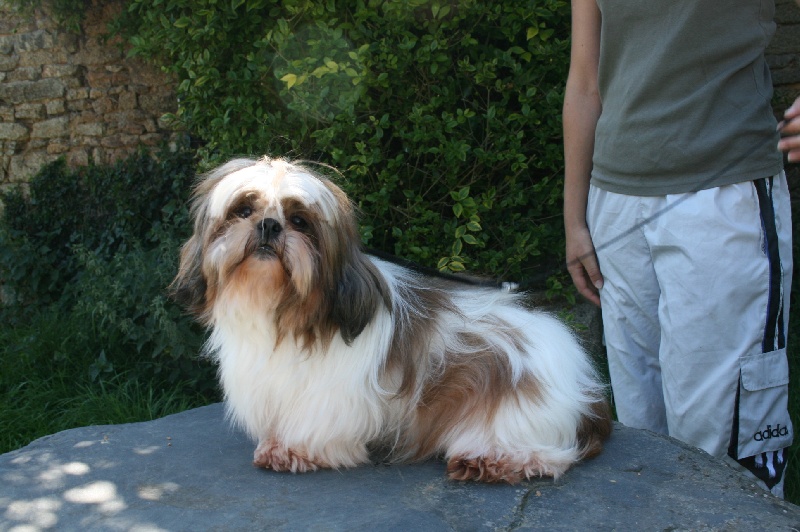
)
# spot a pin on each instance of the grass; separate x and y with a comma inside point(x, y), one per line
point(49, 381)
point(36, 409)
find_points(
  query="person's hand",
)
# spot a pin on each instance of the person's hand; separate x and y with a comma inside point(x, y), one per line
point(790, 129)
point(582, 264)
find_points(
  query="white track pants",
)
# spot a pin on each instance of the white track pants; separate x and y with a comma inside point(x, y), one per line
point(695, 316)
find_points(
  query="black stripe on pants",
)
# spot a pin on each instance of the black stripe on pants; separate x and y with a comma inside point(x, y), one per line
point(774, 335)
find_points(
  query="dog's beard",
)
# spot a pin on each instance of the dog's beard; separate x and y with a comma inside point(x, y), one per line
point(278, 279)
point(246, 274)
point(257, 271)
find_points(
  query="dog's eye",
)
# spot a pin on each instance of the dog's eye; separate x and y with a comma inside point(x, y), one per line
point(243, 211)
point(298, 222)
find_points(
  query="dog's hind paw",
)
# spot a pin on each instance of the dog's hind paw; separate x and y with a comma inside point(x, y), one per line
point(482, 469)
point(270, 454)
point(500, 469)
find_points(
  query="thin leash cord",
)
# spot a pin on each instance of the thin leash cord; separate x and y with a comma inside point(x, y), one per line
point(513, 287)
point(636, 227)
point(433, 272)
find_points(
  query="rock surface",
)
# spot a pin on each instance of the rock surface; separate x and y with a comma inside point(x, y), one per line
point(191, 471)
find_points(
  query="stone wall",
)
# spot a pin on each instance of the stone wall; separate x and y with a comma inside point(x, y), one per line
point(76, 96)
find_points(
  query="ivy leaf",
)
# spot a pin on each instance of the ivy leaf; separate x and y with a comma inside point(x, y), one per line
point(290, 80)
point(456, 266)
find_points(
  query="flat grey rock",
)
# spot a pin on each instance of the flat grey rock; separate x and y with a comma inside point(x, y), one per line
point(191, 471)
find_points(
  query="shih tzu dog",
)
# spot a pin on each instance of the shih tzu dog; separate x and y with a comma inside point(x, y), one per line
point(325, 352)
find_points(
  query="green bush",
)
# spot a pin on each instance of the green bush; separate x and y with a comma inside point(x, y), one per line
point(97, 247)
point(104, 209)
point(444, 117)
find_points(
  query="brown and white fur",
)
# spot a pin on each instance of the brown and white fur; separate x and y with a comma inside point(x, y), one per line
point(324, 350)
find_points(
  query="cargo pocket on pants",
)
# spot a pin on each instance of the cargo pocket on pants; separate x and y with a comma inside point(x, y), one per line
point(763, 417)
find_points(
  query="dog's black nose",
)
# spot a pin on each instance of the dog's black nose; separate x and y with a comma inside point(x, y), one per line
point(269, 229)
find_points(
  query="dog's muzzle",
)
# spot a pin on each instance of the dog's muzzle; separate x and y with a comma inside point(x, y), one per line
point(269, 231)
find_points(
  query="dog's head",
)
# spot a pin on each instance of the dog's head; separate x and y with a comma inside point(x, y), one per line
point(277, 238)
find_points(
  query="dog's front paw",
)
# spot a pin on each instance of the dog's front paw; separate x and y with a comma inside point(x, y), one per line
point(271, 454)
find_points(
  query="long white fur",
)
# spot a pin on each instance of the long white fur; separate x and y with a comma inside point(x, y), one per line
point(333, 404)
point(330, 405)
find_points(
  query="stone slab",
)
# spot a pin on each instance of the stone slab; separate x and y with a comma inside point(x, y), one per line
point(192, 471)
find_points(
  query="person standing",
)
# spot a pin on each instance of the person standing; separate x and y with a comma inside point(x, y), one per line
point(678, 223)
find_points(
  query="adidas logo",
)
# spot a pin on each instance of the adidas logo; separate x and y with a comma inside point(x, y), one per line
point(769, 433)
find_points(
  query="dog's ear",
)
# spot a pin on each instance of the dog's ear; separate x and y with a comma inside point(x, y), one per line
point(355, 286)
point(359, 291)
point(189, 286)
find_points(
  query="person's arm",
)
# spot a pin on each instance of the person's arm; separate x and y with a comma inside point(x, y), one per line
point(581, 110)
point(790, 128)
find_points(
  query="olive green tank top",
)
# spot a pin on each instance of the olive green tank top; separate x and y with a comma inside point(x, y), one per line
point(686, 91)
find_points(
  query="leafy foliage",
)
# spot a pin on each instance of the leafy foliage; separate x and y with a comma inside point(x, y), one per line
point(444, 117)
point(104, 209)
point(96, 247)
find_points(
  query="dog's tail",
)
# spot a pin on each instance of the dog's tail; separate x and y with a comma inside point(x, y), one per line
point(595, 427)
